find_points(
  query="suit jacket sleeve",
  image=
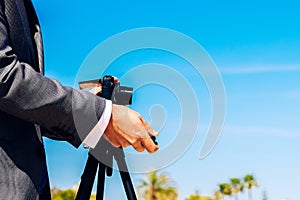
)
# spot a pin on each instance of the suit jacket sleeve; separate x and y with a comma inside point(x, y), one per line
point(28, 95)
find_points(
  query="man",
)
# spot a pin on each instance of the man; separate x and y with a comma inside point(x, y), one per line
point(32, 105)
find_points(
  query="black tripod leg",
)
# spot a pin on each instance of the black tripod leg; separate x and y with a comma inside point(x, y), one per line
point(87, 179)
point(101, 180)
point(127, 184)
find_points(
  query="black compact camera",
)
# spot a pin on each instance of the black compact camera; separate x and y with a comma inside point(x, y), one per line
point(111, 90)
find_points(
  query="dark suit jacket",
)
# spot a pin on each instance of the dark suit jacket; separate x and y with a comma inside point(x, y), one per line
point(32, 105)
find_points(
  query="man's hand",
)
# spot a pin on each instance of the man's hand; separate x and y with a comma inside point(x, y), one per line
point(127, 127)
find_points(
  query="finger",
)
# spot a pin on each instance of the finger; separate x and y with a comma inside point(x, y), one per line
point(88, 84)
point(116, 79)
point(138, 146)
point(96, 90)
point(124, 143)
point(150, 130)
point(149, 145)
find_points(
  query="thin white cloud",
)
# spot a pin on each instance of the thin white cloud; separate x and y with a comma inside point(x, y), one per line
point(242, 130)
point(295, 94)
point(258, 69)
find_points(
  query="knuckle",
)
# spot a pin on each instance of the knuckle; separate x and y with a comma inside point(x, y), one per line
point(152, 149)
point(137, 123)
point(139, 149)
point(136, 142)
point(135, 139)
point(138, 115)
point(116, 145)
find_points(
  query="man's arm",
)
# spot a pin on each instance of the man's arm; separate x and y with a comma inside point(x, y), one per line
point(26, 94)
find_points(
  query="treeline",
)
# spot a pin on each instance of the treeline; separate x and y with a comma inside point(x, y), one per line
point(231, 189)
point(68, 194)
point(159, 186)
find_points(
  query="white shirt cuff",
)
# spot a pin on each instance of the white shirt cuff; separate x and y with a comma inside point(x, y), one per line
point(95, 134)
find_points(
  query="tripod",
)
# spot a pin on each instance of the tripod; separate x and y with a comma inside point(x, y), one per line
point(87, 179)
point(120, 95)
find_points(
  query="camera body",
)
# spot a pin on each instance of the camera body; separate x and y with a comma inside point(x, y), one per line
point(113, 91)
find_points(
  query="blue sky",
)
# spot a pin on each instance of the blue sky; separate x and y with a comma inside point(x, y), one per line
point(256, 47)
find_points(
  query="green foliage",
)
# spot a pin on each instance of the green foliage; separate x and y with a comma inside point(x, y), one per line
point(93, 197)
point(250, 181)
point(196, 196)
point(157, 187)
point(225, 189)
point(58, 194)
point(218, 195)
point(235, 186)
point(69, 194)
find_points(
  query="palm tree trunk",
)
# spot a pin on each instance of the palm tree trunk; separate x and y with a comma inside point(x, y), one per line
point(153, 195)
point(250, 197)
point(236, 197)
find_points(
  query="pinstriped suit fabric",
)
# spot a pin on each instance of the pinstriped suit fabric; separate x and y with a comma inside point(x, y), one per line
point(17, 182)
point(29, 101)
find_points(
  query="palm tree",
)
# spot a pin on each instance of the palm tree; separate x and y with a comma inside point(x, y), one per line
point(236, 187)
point(197, 196)
point(58, 194)
point(265, 196)
point(250, 182)
point(67, 194)
point(157, 187)
point(218, 195)
point(225, 189)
